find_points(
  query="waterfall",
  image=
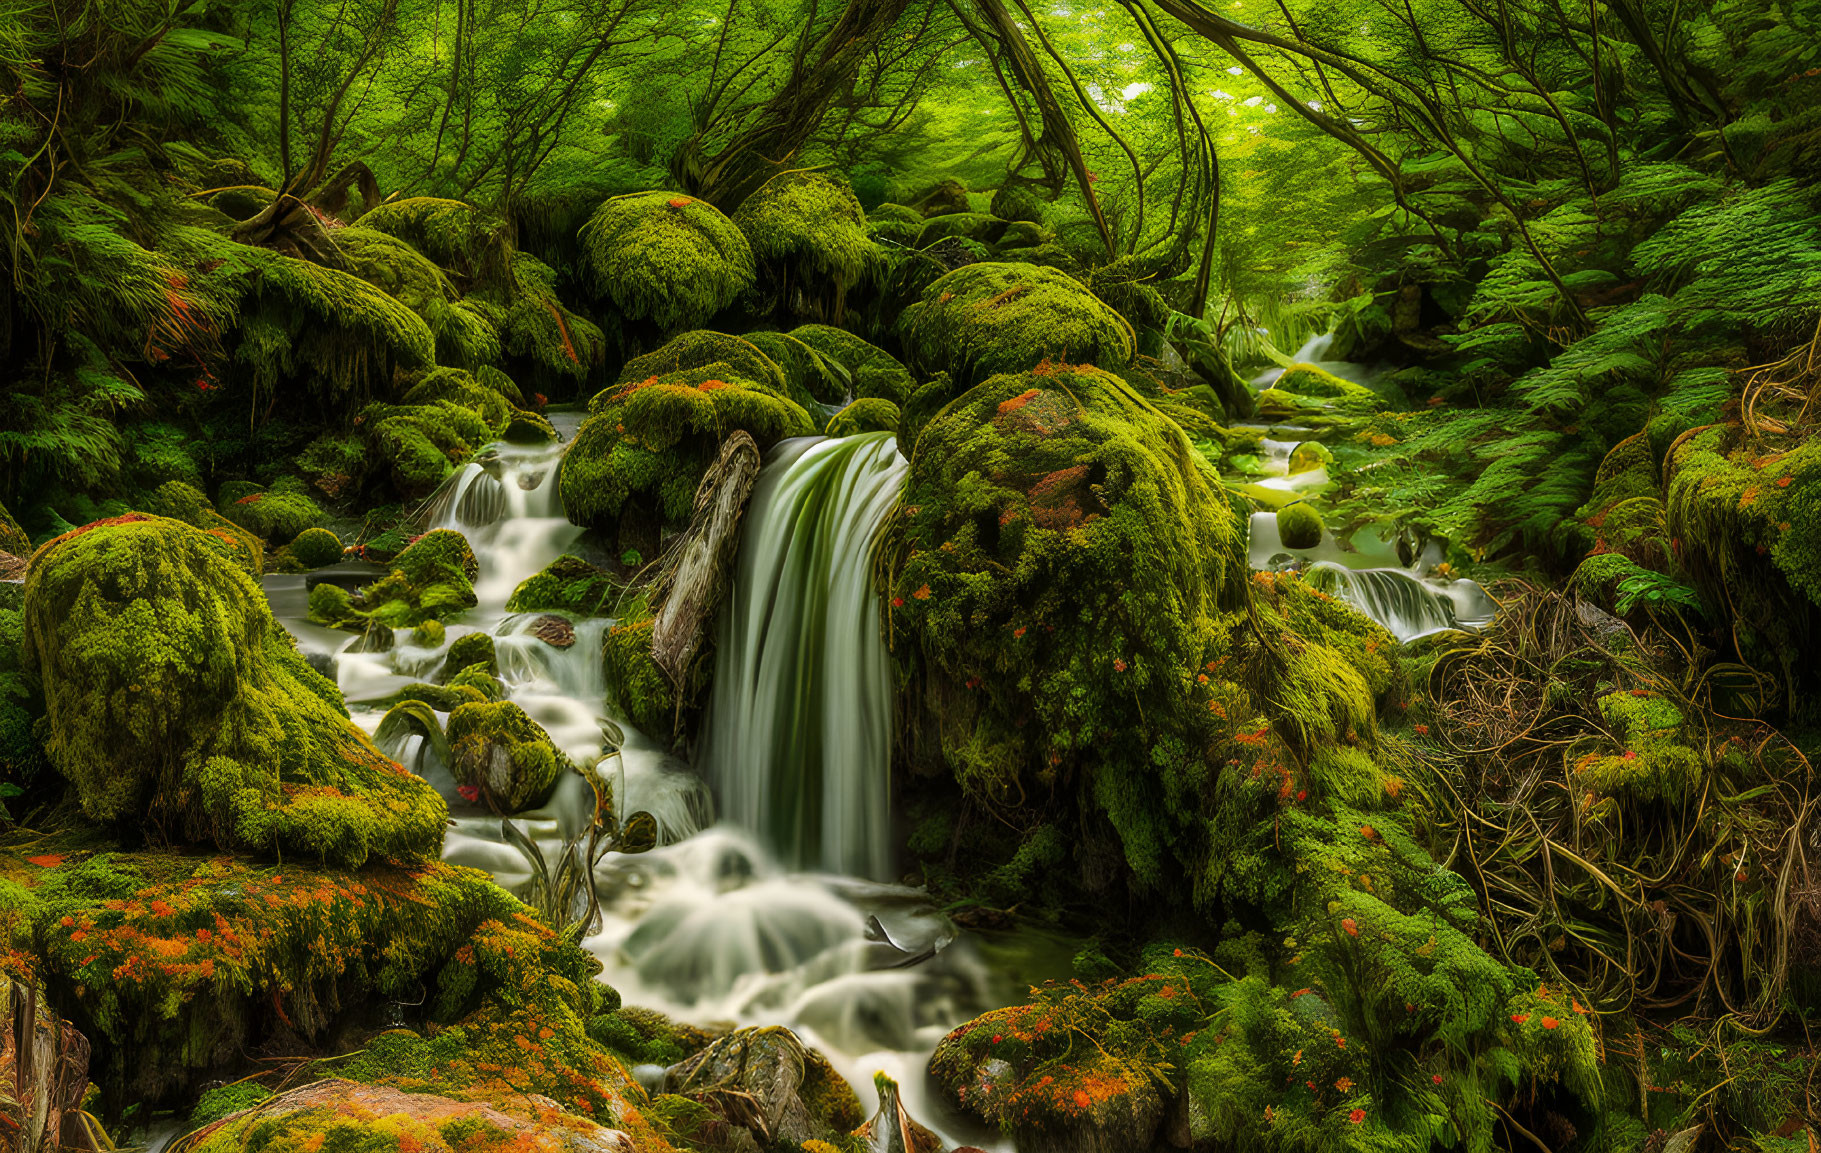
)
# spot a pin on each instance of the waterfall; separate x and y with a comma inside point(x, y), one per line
point(798, 732)
point(1405, 604)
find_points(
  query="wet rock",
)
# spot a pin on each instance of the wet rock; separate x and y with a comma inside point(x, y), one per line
point(44, 1069)
point(504, 755)
point(344, 1114)
point(554, 631)
point(770, 1084)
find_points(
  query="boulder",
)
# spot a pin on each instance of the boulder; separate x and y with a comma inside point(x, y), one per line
point(504, 754)
point(769, 1083)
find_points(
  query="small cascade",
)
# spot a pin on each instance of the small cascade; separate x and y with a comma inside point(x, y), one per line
point(1406, 605)
point(797, 736)
point(506, 502)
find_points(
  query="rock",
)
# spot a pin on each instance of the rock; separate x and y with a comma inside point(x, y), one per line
point(984, 319)
point(672, 261)
point(767, 1082)
point(567, 584)
point(892, 1129)
point(176, 701)
point(870, 415)
point(499, 750)
point(44, 1070)
point(943, 199)
point(469, 650)
point(554, 631)
point(347, 1115)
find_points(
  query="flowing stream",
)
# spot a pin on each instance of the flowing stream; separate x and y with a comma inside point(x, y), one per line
point(782, 913)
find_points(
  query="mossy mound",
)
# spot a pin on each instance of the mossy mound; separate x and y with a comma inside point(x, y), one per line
point(665, 258)
point(174, 698)
point(731, 357)
point(645, 448)
point(422, 443)
point(316, 548)
point(1307, 391)
point(1654, 763)
point(1299, 526)
point(177, 961)
point(806, 227)
point(470, 650)
point(432, 579)
point(965, 225)
point(1060, 568)
point(869, 371)
point(895, 223)
point(567, 584)
point(276, 515)
point(460, 237)
point(984, 319)
point(184, 502)
point(462, 388)
point(636, 687)
point(504, 754)
point(872, 415)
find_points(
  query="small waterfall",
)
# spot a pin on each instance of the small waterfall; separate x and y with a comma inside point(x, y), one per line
point(797, 736)
point(1405, 604)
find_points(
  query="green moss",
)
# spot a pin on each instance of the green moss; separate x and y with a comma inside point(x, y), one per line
point(567, 584)
point(870, 371)
point(1059, 571)
point(807, 227)
point(1305, 390)
point(1299, 525)
point(479, 678)
point(223, 1100)
point(316, 548)
point(12, 538)
point(864, 416)
point(442, 698)
point(179, 501)
point(895, 223)
point(966, 225)
point(983, 319)
point(421, 444)
point(501, 751)
point(334, 329)
point(1654, 764)
point(665, 258)
point(432, 579)
point(174, 697)
point(647, 446)
point(716, 353)
point(462, 388)
point(455, 234)
point(469, 650)
point(636, 687)
point(276, 515)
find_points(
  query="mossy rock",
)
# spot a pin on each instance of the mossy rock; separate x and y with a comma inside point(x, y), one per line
point(1020, 204)
point(180, 501)
point(397, 269)
point(872, 415)
point(422, 443)
point(432, 579)
point(462, 388)
point(943, 198)
point(442, 698)
point(1060, 568)
point(812, 379)
point(733, 357)
point(985, 319)
point(666, 258)
point(636, 687)
point(506, 755)
point(807, 227)
point(647, 445)
point(469, 650)
point(567, 584)
point(871, 372)
point(1299, 526)
point(316, 548)
point(455, 234)
point(1305, 390)
point(276, 515)
point(12, 538)
point(895, 223)
point(1022, 236)
point(966, 225)
point(242, 202)
point(173, 697)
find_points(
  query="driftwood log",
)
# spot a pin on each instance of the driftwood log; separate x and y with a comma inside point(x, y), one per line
point(692, 578)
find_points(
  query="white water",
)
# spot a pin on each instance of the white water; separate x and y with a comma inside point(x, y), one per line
point(797, 738)
point(711, 927)
point(1315, 351)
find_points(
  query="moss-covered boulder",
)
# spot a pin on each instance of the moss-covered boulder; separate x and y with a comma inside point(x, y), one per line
point(421, 444)
point(985, 319)
point(316, 548)
point(713, 353)
point(1059, 569)
point(432, 579)
point(1306, 391)
point(462, 388)
point(184, 502)
point(966, 225)
point(786, 1090)
point(668, 259)
point(567, 584)
point(634, 466)
point(469, 651)
point(636, 686)
point(276, 515)
point(1299, 526)
point(811, 240)
point(464, 240)
point(174, 698)
point(868, 370)
point(872, 415)
point(503, 755)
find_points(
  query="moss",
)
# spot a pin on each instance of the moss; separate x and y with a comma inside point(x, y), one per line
point(984, 319)
point(895, 223)
point(501, 751)
point(457, 235)
point(966, 225)
point(334, 463)
point(226, 1099)
point(277, 515)
point(811, 379)
point(668, 259)
point(316, 548)
point(647, 445)
point(871, 372)
point(173, 697)
point(1059, 571)
point(421, 444)
point(432, 579)
point(334, 329)
point(1305, 390)
point(179, 501)
point(12, 538)
point(1653, 764)
point(864, 416)
point(567, 584)
point(1299, 526)
point(462, 388)
point(181, 962)
point(636, 687)
point(806, 228)
point(442, 698)
point(729, 357)
point(469, 650)
point(481, 679)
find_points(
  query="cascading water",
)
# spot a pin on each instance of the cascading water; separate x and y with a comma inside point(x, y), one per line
point(713, 926)
point(797, 739)
point(1406, 605)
